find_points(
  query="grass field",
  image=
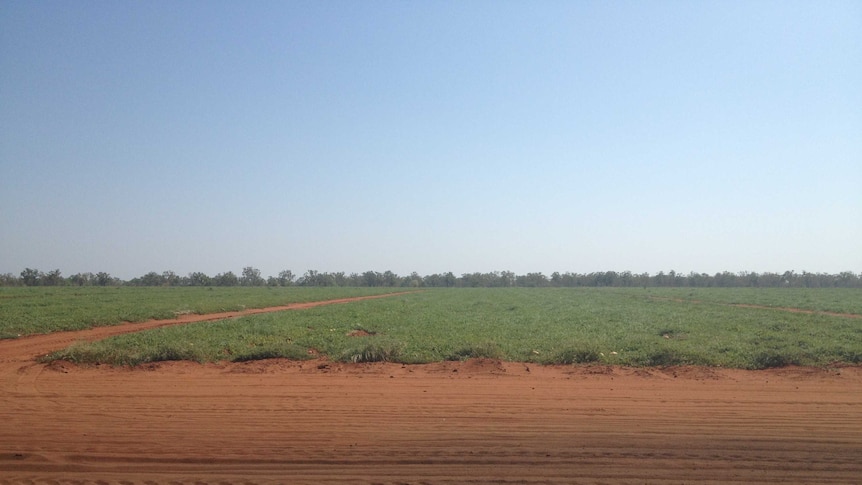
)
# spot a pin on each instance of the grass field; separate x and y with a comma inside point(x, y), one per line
point(27, 311)
point(615, 326)
point(838, 300)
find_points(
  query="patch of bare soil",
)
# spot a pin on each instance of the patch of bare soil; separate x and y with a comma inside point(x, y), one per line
point(477, 421)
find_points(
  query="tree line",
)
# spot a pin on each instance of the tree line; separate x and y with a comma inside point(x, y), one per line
point(251, 276)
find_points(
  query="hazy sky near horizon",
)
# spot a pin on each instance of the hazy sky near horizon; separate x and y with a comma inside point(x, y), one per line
point(430, 136)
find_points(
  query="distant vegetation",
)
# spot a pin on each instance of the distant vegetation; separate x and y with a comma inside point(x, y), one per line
point(619, 326)
point(498, 279)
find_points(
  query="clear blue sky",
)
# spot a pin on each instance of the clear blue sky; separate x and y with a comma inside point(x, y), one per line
point(430, 136)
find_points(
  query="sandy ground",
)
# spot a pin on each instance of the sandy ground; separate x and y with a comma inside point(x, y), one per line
point(478, 421)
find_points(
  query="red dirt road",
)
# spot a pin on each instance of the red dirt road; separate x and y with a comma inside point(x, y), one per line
point(472, 422)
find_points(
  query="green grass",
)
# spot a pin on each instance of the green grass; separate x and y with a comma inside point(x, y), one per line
point(838, 300)
point(550, 326)
point(26, 311)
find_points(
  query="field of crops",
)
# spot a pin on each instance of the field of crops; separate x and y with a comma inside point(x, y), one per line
point(637, 327)
point(836, 300)
point(34, 310)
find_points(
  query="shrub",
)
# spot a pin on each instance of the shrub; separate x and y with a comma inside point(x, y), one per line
point(83, 353)
point(668, 357)
point(287, 351)
point(374, 351)
point(583, 355)
point(770, 359)
point(484, 350)
point(852, 356)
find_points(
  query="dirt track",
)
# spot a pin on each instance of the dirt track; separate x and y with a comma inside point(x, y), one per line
point(471, 422)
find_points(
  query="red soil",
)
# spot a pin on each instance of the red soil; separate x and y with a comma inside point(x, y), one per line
point(479, 421)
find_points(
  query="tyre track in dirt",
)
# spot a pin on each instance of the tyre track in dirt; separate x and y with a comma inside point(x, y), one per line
point(453, 422)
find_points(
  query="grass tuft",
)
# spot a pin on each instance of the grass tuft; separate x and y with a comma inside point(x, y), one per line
point(285, 351)
point(579, 355)
point(483, 350)
point(374, 351)
point(852, 356)
point(667, 358)
point(771, 359)
point(83, 353)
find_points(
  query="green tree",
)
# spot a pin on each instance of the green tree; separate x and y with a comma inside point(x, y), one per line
point(415, 281)
point(103, 279)
point(533, 280)
point(285, 277)
point(310, 278)
point(449, 280)
point(251, 277)
point(169, 278)
point(8, 279)
point(150, 279)
point(372, 278)
point(82, 279)
point(225, 279)
point(199, 279)
point(31, 277)
point(391, 279)
point(53, 278)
